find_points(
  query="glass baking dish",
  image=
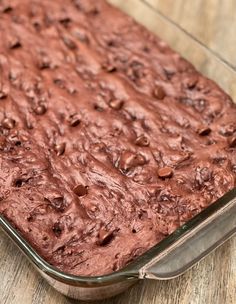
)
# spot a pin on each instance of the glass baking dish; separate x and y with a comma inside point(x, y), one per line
point(192, 241)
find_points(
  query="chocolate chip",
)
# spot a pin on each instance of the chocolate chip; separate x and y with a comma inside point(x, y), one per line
point(59, 82)
point(191, 85)
point(44, 62)
point(169, 73)
point(142, 141)
point(191, 81)
point(234, 168)
point(92, 10)
point(186, 101)
point(204, 130)
point(199, 104)
point(57, 229)
point(65, 21)
point(111, 43)
point(82, 36)
point(45, 238)
point(71, 90)
point(69, 43)
point(74, 120)
point(3, 93)
point(130, 160)
point(135, 71)
point(40, 109)
point(80, 190)
point(18, 182)
point(109, 67)
point(58, 203)
point(105, 237)
point(159, 92)
point(8, 123)
point(60, 148)
point(30, 217)
point(29, 123)
point(2, 142)
point(138, 160)
point(232, 141)
point(18, 143)
point(21, 181)
point(13, 138)
point(37, 25)
point(165, 172)
point(203, 175)
point(228, 130)
point(146, 49)
point(116, 104)
point(218, 159)
point(98, 108)
point(7, 8)
point(14, 43)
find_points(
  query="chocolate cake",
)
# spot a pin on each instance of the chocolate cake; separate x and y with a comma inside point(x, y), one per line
point(109, 140)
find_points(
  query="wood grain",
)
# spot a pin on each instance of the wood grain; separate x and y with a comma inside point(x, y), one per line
point(213, 280)
point(210, 21)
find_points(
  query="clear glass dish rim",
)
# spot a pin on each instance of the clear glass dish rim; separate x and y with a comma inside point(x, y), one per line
point(131, 271)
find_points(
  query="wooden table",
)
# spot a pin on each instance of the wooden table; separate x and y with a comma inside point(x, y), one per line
point(213, 280)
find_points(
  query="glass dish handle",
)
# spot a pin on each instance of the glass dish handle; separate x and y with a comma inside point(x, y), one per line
point(195, 245)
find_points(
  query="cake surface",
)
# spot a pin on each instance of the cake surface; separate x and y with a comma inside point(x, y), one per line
point(109, 140)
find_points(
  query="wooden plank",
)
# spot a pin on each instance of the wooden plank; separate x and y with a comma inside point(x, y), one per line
point(212, 280)
point(210, 21)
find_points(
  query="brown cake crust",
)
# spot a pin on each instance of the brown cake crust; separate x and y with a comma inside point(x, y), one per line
point(109, 140)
